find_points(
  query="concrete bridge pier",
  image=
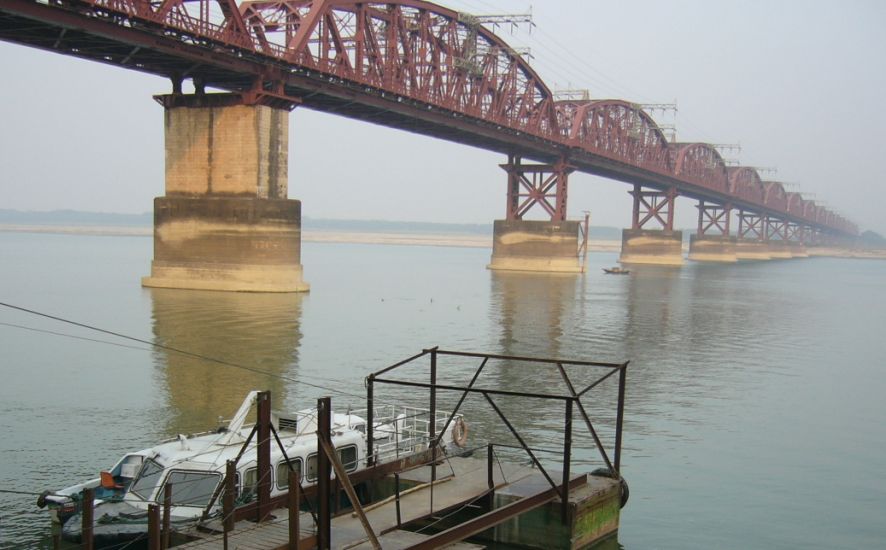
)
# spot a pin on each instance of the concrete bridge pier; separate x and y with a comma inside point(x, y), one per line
point(751, 249)
point(536, 245)
point(713, 248)
point(712, 242)
point(225, 222)
point(652, 246)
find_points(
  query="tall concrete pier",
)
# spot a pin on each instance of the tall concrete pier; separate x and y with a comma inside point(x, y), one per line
point(225, 222)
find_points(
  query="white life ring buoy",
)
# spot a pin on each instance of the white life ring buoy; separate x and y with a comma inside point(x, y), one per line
point(460, 432)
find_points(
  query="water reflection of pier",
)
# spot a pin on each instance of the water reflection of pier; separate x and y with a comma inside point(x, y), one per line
point(261, 332)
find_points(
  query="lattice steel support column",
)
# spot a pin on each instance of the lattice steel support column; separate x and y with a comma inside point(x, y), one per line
point(662, 246)
point(750, 243)
point(536, 245)
point(542, 185)
point(776, 238)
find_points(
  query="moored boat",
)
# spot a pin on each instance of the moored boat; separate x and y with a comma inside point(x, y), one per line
point(194, 466)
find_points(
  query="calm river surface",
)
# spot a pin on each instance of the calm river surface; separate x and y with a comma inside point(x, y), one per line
point(755, 398)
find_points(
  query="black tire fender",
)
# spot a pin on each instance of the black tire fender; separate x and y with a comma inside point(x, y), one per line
point(625, 491)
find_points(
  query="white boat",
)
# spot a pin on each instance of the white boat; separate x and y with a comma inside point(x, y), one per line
point(195, 466)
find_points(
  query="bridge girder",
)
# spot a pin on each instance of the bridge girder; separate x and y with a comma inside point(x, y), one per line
point(408, 64)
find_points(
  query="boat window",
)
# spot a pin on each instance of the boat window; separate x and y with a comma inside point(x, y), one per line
point(250, 485)
point(191, 488)
point(283, 472)
point(348, 457)
point(312, 467)
point(148, 479)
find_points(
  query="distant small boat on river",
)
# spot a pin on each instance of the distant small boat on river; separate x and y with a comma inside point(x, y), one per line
point(616, 270)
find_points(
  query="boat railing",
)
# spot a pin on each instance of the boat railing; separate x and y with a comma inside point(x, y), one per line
point(402, 430)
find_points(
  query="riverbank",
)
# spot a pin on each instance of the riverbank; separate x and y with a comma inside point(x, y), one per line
point(459, 240)
point(466, 240)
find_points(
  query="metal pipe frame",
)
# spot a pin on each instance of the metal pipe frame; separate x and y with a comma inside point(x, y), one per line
point(571, 399)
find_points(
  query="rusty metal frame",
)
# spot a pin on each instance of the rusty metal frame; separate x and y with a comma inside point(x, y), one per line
point(751, 226)
point(776, 229)
point(571, 399)
point(713, 219)
point(653, 205)
point(530, 185)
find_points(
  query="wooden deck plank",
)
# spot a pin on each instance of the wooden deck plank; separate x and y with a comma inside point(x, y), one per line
point(467, 484)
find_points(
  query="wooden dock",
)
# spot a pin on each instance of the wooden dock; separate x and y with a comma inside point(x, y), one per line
point(461, 483)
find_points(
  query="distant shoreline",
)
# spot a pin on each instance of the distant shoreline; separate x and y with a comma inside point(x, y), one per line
point(458, 240)
point(336, 237)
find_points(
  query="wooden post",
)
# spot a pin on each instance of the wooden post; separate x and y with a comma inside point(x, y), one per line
point(341, 474)
point(86, 514)
point(397, 495)
point(153, 527)
point(264, 455)
point(228, 499)
point(294, 505)
point(167, 505)
point(324, 531)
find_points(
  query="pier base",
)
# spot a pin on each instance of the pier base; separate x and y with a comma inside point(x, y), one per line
point(778, 250)
point(594, 511)
point(751, 249)
point(711, 248)
point(797, 249)
point(531, 245)
point(656, 247)
point(233, 244)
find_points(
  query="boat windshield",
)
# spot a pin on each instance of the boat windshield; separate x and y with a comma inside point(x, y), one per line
point(148, 479)
point(192, 488)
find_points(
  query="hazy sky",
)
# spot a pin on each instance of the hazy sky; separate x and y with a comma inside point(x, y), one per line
point(799, 84)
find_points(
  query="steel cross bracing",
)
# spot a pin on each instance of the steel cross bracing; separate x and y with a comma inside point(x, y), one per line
point(407, 64)
point(713, 219)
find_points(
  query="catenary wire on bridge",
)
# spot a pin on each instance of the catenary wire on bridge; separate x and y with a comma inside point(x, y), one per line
point(566, 67)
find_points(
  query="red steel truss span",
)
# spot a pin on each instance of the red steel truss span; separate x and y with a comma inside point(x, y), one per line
point(408, 64)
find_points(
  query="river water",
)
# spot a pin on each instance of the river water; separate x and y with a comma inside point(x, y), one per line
point(755, 394)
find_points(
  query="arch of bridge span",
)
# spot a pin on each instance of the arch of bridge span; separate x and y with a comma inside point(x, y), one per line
point(412, 48)
point(794, 204)
point(615, 129)
point(745, 184)
point(775, 196)
point(701, 164)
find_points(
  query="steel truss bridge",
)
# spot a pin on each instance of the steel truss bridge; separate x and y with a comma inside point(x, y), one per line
point(419, 67)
